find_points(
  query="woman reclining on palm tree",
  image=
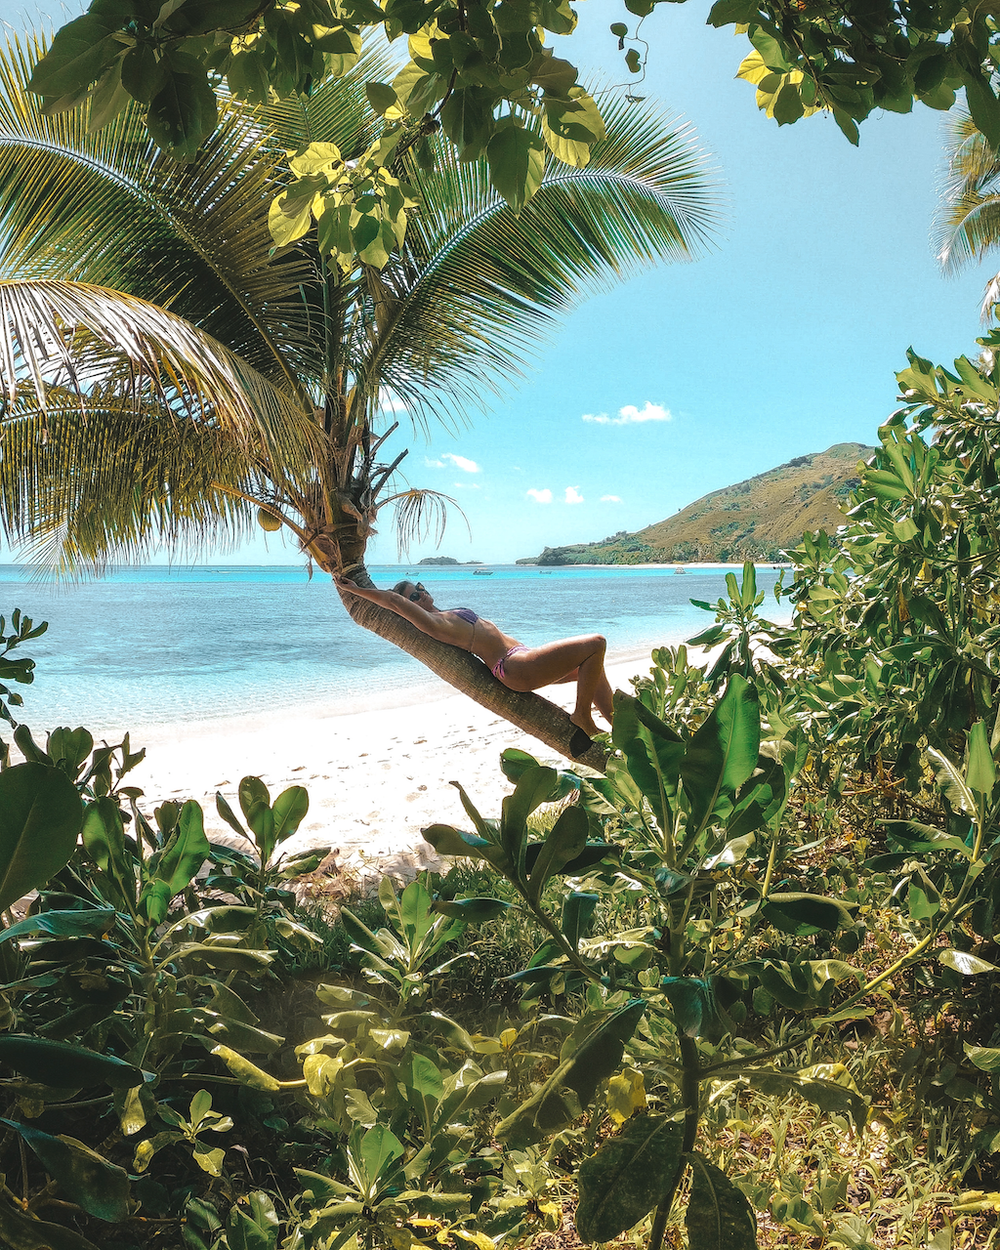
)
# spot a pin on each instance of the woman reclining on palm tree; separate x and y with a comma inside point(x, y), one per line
point(518, 667)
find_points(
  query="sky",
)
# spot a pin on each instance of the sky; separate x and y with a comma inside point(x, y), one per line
point(782, 338)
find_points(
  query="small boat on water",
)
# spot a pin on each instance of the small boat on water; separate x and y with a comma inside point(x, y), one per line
point(482, 572)
point(680, 570)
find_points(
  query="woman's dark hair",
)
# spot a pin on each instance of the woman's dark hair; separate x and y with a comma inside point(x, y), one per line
point(398, 588)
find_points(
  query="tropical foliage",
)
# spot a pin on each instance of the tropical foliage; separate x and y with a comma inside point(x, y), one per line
point(168, 381)
point(737, 965)
point(474, 67)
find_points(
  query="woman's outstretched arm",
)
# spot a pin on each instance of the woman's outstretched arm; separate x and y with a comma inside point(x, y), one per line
point(436, 624)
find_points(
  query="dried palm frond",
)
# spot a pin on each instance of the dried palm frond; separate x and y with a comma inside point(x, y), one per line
point(420, 513)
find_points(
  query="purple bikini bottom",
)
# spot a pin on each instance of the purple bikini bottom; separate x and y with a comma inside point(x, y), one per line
point(498, 669)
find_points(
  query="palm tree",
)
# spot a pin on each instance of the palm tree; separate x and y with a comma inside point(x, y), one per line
point(969, 217)
point(166, 382)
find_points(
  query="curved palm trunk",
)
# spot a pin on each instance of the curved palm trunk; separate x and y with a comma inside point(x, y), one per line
point(530, 712)
point(341, 549)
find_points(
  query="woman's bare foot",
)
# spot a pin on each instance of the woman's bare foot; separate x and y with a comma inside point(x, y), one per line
point(585, 722)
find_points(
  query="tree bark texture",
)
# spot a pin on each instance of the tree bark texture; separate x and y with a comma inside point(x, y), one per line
point(470, 676)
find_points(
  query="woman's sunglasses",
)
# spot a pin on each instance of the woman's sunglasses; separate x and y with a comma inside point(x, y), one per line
point(417, 593)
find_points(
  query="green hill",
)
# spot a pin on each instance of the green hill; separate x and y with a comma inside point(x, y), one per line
point(753, 520)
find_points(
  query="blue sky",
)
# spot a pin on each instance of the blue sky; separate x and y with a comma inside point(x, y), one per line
point(783, 338)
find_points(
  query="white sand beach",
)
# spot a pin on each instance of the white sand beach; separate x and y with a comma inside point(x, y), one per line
point(375, 777)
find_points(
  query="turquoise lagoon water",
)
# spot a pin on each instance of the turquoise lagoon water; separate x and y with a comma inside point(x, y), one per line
point(164, 645)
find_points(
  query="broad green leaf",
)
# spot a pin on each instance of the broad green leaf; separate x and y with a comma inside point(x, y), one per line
point(472, 910)
point(19, 1231)
point(289, 218)
point(516, 159)
point(40, 819)
point(209, 1159)
point(905, 529)
point(815, 1085)
point(381, 97)
point(595, 1058)
point(253, 1223)
point(49, 1062)
point(805, 914)
point(79, 54)
point(986, 1058)
point(968, 965)
point(100, 1187)
point(358, 932)
point(290, 809)
point(184, 854)
point(63, 923)
point(556, 76)
point(920, 904)
point(447, 840)
point(534, 789)
point(578, 912)
point(415, 912)
point(885, 484)
point(630, 1174)
point(980, 770)
point(689, 1001)
point(225, 958)
point(718, 1216)
point(70, 747)
point(108, 99)
point(723, 753)
point(379, 1149)
point(320, 1072)
point(566, 840)
point(246, 1071)
point(653, 751)
point(952, 782)
point(917, 838)
point(104, 834)
point(184, 112)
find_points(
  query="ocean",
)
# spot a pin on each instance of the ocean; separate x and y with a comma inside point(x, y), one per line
point(157, 645)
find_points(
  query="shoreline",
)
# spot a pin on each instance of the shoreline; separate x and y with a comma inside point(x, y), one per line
point(375, 778)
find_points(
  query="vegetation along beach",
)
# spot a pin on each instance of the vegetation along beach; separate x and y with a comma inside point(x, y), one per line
point(325, 923)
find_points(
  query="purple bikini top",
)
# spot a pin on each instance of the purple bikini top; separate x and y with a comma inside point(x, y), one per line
point(466, 614)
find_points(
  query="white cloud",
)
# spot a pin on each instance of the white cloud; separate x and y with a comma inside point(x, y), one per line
point(456, 462)
point(540, 496)
point(466, 486)
point(611, 499)
point(460, 462)
point(630, 415)
point(573, 495)
point(388, 401)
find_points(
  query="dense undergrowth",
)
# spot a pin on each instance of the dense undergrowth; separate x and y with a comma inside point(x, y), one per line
point(739, 991)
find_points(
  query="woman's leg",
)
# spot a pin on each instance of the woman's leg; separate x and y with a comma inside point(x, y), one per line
point(555, 662)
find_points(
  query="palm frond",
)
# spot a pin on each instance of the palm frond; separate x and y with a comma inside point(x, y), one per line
point(68, 334)
point(80, 487)
point(109, 208)
point(418, 514)
point(968, 224)
point(479, 287)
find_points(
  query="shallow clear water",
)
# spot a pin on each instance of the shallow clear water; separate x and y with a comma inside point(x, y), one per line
point(157, 645)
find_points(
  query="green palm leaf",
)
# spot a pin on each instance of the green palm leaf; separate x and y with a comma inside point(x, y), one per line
point(72, 335)
point(479, 286)
point(76, 485)
point(110, 209)
point(969, 218)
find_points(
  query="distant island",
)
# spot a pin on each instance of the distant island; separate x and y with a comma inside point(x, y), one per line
point(754, 520)
point(446, 560)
